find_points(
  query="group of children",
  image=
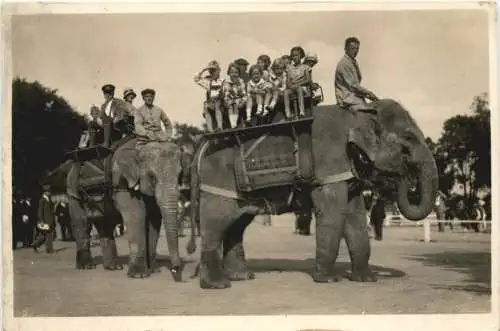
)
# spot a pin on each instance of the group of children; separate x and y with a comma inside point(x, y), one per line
point(259, 91)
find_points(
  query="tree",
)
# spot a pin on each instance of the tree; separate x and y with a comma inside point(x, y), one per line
point(185, 131)
point(482, 141)
point(44, 128)
point(465, 148)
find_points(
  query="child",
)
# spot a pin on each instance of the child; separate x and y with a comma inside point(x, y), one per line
point(287, 60)
point(234, 96)
point(278, 79)
point(213, 85)
point(314, 88)
point(94, 128)
point(298, 75)
point(264, 61)
point(258, 91)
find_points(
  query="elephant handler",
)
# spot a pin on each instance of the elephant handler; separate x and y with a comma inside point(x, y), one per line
point(348, 90)
point(113, 114)
point(148, 119)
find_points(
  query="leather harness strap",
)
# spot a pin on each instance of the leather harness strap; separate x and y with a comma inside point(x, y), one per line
point(343, 176)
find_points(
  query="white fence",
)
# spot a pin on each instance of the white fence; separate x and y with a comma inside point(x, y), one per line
point(426, 224)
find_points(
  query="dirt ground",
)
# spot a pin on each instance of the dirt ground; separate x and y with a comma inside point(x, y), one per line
point(450, 275)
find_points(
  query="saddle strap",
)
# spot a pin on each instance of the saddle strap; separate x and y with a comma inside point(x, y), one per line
point(343, 176)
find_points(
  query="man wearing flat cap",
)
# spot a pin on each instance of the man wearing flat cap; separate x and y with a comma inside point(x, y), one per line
point(113, 113)
point(45, 222)
point(148, 119)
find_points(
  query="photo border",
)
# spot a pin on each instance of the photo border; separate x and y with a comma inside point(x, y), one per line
point(489, 321)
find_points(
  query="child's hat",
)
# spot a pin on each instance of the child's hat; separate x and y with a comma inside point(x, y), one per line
point(213, 65)
point(129, 91)
point(311, 58)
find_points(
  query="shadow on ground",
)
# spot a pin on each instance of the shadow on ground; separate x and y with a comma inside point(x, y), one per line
point(475, 265)
point(307, 265)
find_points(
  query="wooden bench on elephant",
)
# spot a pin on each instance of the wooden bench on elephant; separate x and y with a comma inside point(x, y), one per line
point(271, 155)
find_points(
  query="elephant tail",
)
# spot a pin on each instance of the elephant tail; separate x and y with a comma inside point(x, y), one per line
point(191, 245)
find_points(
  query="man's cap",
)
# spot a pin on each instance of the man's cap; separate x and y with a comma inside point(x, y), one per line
point(108, 88)
point(213, 65)
point(241, 62)
point(148, 91)
point(129, 91)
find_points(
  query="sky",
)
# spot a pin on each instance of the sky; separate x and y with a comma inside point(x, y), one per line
point(433, 62)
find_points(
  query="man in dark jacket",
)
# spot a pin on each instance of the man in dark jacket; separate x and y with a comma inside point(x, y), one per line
point(28, 223)
point(16, 218)
point(45, 222)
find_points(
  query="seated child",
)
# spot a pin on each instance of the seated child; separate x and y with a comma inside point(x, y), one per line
point(212, 83)
point(94, 128)
point(259, 92)
point(234, 96)
point(298, 75)
point(277, 77)
point(264, 61)
point(314, 89)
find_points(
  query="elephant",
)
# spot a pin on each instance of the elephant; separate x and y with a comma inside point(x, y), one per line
point(383, 149)
point(156, 166)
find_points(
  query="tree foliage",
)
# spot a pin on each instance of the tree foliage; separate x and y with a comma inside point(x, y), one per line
point(44, 128)
point(463, 152)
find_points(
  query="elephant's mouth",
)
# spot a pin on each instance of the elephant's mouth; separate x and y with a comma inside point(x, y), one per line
point(368, 173)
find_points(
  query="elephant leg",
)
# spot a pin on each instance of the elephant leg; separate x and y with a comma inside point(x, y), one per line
point(330, 203)
point(153, 232)
point(79, 224)
point(110, 260)
point(356, 236)
point(235, 264)
point(133, 213)
point(216, 214)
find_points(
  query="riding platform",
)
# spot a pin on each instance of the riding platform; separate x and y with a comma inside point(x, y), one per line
point(268, 155)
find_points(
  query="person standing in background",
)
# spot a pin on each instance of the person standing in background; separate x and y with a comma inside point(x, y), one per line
point(45, 222)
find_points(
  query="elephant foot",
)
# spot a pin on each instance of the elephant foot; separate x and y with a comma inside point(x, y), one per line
point(211, 273)
point(176, 273)
point(235, 265)
point(365, 275)
point(84, 260)
point(322, 278)
point(219, 285)
point(138, 269)
point(114, 266)
point(240, 275)
point(320, 275)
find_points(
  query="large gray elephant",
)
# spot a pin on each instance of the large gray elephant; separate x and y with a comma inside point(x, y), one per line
point(383, 149)
point(157, 167)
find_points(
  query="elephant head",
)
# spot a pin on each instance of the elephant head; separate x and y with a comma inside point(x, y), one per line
point(389, 152)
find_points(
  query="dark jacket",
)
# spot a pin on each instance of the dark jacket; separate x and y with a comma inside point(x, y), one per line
point(46, 211)
point(120, 110)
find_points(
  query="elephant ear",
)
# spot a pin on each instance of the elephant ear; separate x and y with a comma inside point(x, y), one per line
point(365, 135)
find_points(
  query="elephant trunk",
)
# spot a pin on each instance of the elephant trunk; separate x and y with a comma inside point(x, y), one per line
point(427, 181)
point(168, 206)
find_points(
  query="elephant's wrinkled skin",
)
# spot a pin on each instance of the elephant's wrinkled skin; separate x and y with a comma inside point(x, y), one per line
point(393, 158)
point(158, 167)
